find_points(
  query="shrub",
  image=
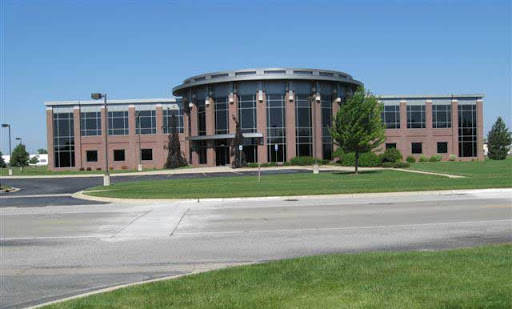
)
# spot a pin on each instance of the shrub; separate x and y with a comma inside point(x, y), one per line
point(410, 159)
point(453, 157)
point(286, 164)
point(81, 169)
point(303, 161)
point(423, 158)
point(396, 164)
point(269, 164)
point(252, 164)
point(325, 161)
point(124, 167)
point(88, 169)
point(98, 168)
point(367, 159)
point(391, 155)
point(436, 158)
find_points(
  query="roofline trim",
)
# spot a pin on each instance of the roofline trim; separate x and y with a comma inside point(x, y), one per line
point(109, 102)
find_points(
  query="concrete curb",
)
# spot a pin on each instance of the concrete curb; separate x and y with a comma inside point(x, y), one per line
point(121, 286)
point(81, 195)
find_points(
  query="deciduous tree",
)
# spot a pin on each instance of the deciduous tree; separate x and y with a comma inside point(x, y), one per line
point(358, 127)
point(20, 156)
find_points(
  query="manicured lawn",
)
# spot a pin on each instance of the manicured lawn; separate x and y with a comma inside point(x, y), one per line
point(464, 278)
point(488, 174)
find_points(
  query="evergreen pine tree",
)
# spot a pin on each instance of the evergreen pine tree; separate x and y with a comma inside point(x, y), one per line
point(235, 144)
point(499, 140)
point(175, 158)
point(20, 156)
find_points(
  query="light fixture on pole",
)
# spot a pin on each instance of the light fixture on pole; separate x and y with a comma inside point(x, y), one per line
point(6, 125)
point(98, 96)
point(314, 98)
point(19, 139)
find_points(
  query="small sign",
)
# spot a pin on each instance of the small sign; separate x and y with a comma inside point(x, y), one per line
point(276, 147)
point(240, 147)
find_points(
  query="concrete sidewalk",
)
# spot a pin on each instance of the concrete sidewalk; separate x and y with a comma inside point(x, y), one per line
point(227, 169)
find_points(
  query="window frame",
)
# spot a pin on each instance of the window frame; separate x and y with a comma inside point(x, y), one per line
point(118, 151)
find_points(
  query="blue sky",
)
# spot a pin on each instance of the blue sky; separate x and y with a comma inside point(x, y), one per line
point(64, 50)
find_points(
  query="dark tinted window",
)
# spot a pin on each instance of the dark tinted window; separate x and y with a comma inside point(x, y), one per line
point(147, 154)
point(442, 147)
point(119, 155)
point(416, 148)
point(92, 155)
point(390, 145)
point(415, 116)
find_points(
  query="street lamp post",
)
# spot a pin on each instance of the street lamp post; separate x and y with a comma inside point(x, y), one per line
point(139, 166)
point(313, 99)
point(6, 125)
point(98, 96)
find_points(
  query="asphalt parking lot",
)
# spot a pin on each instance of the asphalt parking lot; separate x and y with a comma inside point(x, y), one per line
point(57, 191)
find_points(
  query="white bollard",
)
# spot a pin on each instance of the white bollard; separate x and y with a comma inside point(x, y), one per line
point(10, 171)
point(106, 180)
point(315, 169)
point(139, 167)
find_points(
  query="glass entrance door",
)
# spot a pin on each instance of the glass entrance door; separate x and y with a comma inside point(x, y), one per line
point(221, 152)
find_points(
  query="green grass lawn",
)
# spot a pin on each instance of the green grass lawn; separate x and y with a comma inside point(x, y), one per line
point(486, 174)
point(463, 278)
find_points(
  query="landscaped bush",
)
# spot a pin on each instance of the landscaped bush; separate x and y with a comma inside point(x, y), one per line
point(81, 169)
point(410, 159)
point(368, 159)
point(396, 164)
point(423, 158)
point(286, 164)
point(269, 164)
point(453, 157)
point(98, 168)
point(325, 161)
point(252, 164)
point(391, 155)
point(303, 161)
point(436, 158)
point(88, 169)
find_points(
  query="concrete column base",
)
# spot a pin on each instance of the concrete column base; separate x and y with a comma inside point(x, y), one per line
point(139, 167)
point(10, 171)
point(316, 169)
point(106, 180)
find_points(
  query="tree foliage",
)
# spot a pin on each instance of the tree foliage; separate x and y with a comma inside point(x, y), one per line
point(235, 144)
point(358, 127)
point(34, 160)
point(175, 158)
point(2, 161)
point(20, 156)
point(499, 140)
point(42, 151)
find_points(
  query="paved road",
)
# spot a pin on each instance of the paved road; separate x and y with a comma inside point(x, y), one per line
point(53, 252)
point(48, 191)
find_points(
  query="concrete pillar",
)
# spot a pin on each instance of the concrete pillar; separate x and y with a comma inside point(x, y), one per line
point(317, 123)
point(193, 132)
point(431, 147)
point(101, 148)
point(49, 138)
point(210, 153)
point(291, 143)
point(261, 116)
point(455, 128)
point(131, 157)
point(480, 129)
point(76, 131)
point(210, 130)
point(233, 111)
point(186, 133)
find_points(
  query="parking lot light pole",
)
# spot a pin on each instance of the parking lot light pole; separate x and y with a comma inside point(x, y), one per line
point(98, 96)
point(6, 125)
point(139, 166)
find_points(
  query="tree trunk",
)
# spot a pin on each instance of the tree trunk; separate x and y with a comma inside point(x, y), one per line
point(357, 161)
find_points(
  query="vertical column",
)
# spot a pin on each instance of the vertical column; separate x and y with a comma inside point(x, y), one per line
point(49, 138)
point(232, 111)
point(431, 148)
point(405, 147)
point(193, 132)
point(335, 110)
point(261, 116)
point(101, 147)
point(185, 144)
point(210, 130)
point(159, 153)
point(77, 137)
point(132, 154)
point(455, 128)
point(480, 129)
point(317, 123)
point(291, 143)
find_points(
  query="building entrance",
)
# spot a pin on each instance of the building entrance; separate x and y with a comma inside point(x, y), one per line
point(221, 152)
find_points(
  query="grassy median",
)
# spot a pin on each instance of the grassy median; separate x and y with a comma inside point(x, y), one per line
point(464, 278)
point(485, 174)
